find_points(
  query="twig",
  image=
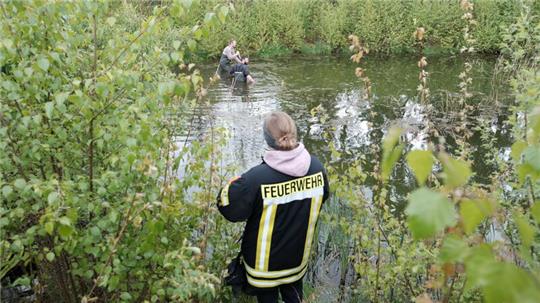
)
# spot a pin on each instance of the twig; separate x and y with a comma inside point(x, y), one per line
point(378, 267)
point(449, 293)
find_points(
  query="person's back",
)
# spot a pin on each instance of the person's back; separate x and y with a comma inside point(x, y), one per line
point(281, 200)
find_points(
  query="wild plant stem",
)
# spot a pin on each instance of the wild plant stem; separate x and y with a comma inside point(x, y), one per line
point(461, 290)
point(208, 195)
point(449, 293)
point(91, 126)
point(116, 240)
point(376, 290)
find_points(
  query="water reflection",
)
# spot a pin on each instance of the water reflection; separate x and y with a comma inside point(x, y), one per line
point(298, 84)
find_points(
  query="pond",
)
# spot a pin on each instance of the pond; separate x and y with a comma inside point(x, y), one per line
point(356, 125)
point(299, 84)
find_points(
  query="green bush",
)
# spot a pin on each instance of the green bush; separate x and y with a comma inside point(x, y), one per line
point(89, 113)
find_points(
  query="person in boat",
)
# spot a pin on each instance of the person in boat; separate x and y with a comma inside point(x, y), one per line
point(229, 56)
point(280, 199)
point(240, 72)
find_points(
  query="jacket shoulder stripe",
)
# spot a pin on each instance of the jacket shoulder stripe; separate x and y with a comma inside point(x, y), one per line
point(224, 197)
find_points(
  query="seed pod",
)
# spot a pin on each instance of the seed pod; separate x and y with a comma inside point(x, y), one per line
point(359, 72)
point(419, 33)
point(422, 63)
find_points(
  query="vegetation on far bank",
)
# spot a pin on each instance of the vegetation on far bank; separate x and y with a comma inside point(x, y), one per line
point(277, 27)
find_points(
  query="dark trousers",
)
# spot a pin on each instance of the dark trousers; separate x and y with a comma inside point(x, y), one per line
point(290, 293)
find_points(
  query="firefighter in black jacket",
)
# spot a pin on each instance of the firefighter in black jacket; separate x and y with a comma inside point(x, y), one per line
point(281, 200)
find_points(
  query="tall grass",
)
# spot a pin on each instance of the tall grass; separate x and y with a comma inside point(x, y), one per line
point(273, 27)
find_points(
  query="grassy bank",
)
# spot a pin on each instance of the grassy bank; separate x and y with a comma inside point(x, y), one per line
point(280, 27)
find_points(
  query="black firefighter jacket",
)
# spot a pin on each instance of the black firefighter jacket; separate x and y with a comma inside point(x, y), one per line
point(281, 213)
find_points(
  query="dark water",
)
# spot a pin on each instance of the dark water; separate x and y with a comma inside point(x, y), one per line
point(357, 125)
point(297, 85)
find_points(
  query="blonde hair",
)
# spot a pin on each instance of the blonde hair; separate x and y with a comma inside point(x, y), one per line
point(282, 129)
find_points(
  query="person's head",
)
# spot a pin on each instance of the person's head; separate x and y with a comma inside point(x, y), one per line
point(280, 131)
point(232, 43)
point(246, 60)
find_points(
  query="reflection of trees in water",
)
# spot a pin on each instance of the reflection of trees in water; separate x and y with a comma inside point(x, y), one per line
point(357, 128)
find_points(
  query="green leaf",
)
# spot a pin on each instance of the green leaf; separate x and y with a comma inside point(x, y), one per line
point(391, 151)
point(421, 163)
point(8, 43)
point(25, 281)
point(389, 162)
point(95, 231)
point(64, 220)
point(192, 44)
point(19, 183)
point(6, 191)
point(65, 231)
point(531, 156)
point(72, 214)
point(50, 256)
point(125, 296)
point(111, 21)
point(517, 150)
point(61, 97)
point(535, 211)
point(131, 142)
point(175, 57)
point(428, 213)
point(525, 170)
point(508, 283)
point(164, 240)
point(113, 216)
point(49, 227)
point(479, 265)
point(455, 172)
point(49, 106)
point(113, 283)
point(195, 250)
point(454, 249)
point(525, 229)
point(52, 197)
point(176, 44)
point(43, 63)
point(391, 139)
point(471, 215)
point(209, 17)
point(222, 14)
point(176, 10)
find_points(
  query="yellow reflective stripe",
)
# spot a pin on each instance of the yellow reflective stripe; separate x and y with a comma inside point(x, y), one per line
point(273, 210)
point(266, 226)
point(273, 274)
point(277, 282)
point(315, 207)
point(313, 216)
point(259, 237)
point(224, 197)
